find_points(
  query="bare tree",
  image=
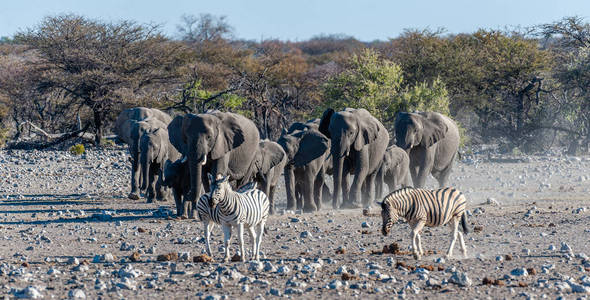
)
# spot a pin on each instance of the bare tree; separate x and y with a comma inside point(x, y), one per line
point(103, 65)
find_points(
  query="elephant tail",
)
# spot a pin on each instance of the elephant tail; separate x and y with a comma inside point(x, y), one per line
point(459, 155)
point(464, 223)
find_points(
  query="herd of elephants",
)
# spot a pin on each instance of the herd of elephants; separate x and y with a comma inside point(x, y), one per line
point(176, 154)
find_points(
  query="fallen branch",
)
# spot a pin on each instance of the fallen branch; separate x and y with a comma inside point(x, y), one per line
point(56, 138)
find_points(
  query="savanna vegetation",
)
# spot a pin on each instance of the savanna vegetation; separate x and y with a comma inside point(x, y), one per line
point(525, 89)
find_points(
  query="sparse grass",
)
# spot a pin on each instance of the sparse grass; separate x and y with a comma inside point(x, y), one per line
point(77, 149)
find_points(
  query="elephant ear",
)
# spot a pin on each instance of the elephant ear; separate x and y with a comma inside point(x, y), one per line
point(312, 145)
point(230, 135)
point(368, 129)
point(272, 155)
point(175, 135)
point(324, 127)
point(433, 129)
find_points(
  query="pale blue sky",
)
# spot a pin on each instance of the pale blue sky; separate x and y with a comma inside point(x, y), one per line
point(301, 19)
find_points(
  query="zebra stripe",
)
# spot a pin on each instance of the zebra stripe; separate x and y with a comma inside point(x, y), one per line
point(436, 207)
point(238, 209)
point(421, 207)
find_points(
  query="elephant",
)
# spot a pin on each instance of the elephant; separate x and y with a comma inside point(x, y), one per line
point(176, 177)
point(431, 141)
point(155, 150)
point(129, 131)
point(136, 129)
point(361, 139)
point(307, 151)
point(268, 164)
point(218, 143)
point(394, 170)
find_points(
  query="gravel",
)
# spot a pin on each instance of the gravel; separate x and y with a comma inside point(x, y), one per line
point(69, 232)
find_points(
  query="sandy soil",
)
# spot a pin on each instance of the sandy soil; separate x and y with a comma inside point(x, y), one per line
point(67, 230)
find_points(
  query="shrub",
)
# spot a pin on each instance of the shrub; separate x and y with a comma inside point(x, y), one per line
point(77, 149)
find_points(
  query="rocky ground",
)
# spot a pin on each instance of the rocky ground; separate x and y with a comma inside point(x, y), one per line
point(67, 230)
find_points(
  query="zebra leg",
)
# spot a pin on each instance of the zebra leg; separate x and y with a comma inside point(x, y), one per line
point(208, 227)
point(416, 227)
point(463, 249)
point(254, 240)
point(259, 239)
point(226, 241)
point(454, 224)
point(241, 239)
point(420, 244)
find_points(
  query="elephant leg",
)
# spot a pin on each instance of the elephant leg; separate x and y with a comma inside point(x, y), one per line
point(443, 176)
point(150, 186)
point(379, 183)
point(318, 187)
point(299, 195)
point(326, 193)
point(160, 190)
point(308, 189)
point(134, 195)
point(369, 196)
point(290, 188)
point(354, 200)
point(271, 209)
point(179, 205)
point(345, 189)
point(271, 197)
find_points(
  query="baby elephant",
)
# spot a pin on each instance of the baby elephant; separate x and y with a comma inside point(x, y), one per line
point(394, 171)
point(176, 176)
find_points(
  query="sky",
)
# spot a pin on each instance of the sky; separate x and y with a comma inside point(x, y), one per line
point(298, 20)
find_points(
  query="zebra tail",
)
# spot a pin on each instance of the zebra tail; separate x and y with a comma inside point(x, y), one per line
point(464, 224)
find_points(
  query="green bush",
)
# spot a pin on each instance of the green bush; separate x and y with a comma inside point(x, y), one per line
point(77, 149)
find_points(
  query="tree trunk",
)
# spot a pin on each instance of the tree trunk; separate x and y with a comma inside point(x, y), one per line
point(98, 126)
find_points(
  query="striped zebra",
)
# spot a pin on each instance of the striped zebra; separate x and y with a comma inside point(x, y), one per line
point(421, 207)
point(234, 209)
point(209, 217)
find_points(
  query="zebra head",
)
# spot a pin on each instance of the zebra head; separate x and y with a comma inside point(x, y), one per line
point(219, 186)
point(389, 216)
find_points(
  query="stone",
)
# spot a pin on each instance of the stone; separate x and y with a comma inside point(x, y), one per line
point(461, 279)
point(255, 266)
point(365, 225)
point(283, 270)
point(29, 292)
point(305, 235)
point(76, 294)
point(335, 284)
point(103, 258)
point(492, 201)
point(519, 272)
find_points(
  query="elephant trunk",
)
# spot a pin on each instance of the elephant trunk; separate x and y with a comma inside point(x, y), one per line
point(338, 164)
point(145, 159)
point(196, 163)
point(290, 187)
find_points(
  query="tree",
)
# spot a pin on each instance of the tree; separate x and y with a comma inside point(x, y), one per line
point(102, 65)
point(376, 84)
point(569, 42)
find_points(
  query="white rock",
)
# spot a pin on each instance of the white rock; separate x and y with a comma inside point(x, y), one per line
point(76, 294)
point(460, 279)
point(29, 292)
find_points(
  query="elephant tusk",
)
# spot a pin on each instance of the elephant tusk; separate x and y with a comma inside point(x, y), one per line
point(184, 159)
point(204, 160)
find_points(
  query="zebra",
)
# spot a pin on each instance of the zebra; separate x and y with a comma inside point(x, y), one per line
point(421, 207)
point(231, 208)
point(209, 217)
